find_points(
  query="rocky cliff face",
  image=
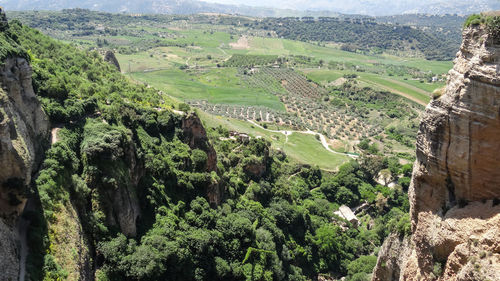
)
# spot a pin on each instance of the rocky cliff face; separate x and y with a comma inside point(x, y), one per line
point(3, 20)
point(111, 58)
point(196, 137)
point(123, 204)
point(23, 130)
point(455, 187)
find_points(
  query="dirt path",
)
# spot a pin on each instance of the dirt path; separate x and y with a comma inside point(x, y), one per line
point(222, 50)
point(324, 142)
point(53, 134)
point(408, 86)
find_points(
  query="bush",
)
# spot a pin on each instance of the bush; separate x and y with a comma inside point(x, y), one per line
point(184, 107)
point(474, 19)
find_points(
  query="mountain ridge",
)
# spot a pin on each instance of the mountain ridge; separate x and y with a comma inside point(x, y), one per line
point(373, 8)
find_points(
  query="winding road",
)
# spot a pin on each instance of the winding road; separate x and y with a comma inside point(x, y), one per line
point(308, 132)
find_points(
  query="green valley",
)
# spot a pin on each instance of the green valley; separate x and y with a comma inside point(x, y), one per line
point(200, 147)
point(233, 67)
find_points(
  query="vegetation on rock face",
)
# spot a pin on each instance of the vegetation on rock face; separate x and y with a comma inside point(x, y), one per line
point(490, 20)
point(120, 140)
point(9, 47)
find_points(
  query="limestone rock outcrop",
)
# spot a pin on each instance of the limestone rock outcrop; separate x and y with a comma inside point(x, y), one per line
point(119, 172)
point(196, 137)
point(455, 188)
point(24, 130)
point(392, 257)
point(111, 58)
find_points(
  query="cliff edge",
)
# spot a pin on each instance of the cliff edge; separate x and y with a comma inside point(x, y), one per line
point(455, 187)
point(24, 128)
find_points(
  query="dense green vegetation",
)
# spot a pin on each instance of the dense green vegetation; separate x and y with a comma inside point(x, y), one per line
point(367, 35)
point(273, 219)
point(8, 45)
point(362, 35)
point(441, 25)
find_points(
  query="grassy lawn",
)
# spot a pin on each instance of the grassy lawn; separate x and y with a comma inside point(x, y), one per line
point(302, 148)
point(307, 149)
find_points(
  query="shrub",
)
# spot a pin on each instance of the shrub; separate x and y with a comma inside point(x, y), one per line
point(437, 93)
point(184, 107)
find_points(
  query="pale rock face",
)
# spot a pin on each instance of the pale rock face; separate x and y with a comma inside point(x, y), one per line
point(456, 182)
point(459, 134)
point(24, 130)
point(392, 257)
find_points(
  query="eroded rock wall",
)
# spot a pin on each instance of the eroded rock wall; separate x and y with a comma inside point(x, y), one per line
point(459, 134)
point(455, 187)
point(111, 58)
point(24, 130)
point(196, 137)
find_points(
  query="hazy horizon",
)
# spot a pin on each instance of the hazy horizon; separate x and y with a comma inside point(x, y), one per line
point(265, 8)
point(369, 7)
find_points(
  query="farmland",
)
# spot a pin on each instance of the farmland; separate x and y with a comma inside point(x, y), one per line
point(232, 70)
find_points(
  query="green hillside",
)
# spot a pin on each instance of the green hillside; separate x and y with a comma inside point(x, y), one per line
point(210, 208)
point(240, 68)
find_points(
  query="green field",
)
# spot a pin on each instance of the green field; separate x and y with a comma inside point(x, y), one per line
point(398, 87)
point(419, 92)
point(277, 46)
point(218, 45)
point(324, 77)
point(214, 85)
point(303, 148)
point(205, 49)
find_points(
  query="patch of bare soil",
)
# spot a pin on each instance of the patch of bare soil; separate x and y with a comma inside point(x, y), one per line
point(241, 44)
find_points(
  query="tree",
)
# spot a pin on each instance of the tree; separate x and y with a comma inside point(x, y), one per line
point(184, 107)
point(199, 158)
point(346, 196)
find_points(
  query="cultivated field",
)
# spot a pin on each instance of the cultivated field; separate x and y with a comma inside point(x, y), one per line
point(235, 73)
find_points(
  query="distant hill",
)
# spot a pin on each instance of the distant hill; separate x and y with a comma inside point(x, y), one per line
point(354, 34)
point(442, 26)
point(265, 8)
point(179, 7)
point(365, 35)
